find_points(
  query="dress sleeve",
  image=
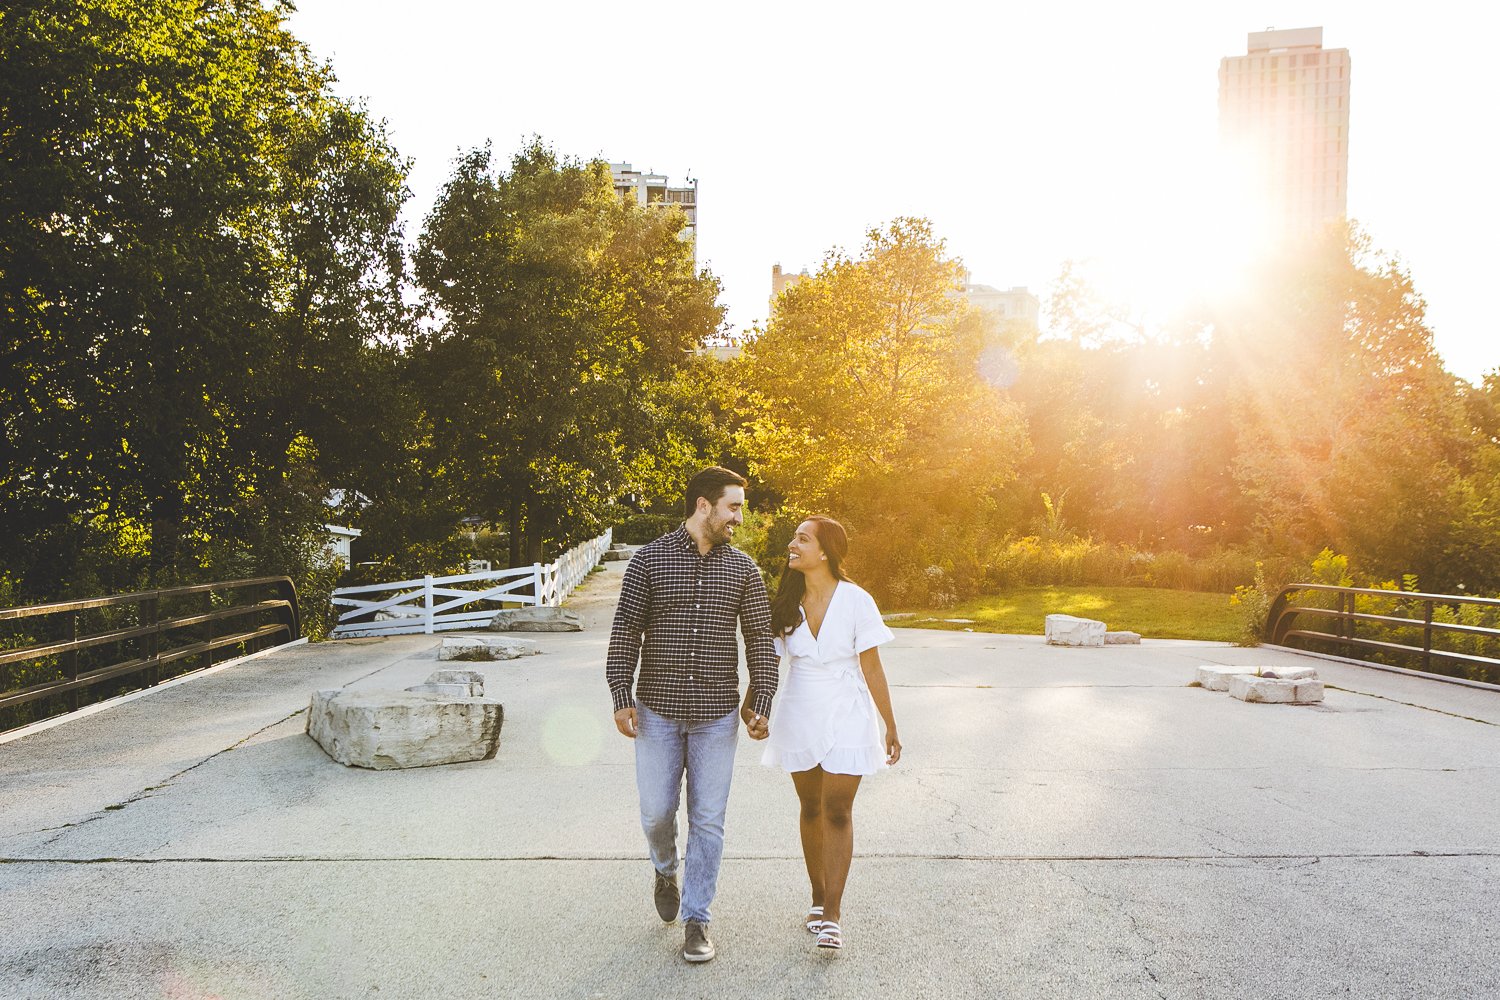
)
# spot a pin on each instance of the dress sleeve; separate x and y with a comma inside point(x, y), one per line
point(869, 630)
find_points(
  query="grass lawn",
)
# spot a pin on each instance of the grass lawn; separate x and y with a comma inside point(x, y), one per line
point(1153, 612)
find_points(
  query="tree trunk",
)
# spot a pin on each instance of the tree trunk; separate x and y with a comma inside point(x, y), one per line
point(514, 555)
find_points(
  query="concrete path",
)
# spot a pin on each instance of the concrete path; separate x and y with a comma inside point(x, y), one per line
point(1065, 823)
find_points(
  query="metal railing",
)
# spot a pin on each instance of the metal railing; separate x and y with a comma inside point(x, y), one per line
point(1382, 631)
point(234, 615)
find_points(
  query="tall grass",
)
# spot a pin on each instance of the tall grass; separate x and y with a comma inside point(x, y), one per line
point(1032, 561)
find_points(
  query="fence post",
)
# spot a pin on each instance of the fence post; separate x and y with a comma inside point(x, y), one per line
point(1427, 639)
point(538, 584)
point(71, 658)
point(427, 603)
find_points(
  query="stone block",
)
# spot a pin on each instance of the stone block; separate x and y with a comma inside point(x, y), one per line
point(1216, 677)
point(483, 648)
point(384, 730)
point(1067, 630)
point(536, 620)
point(450, 675)
point(616, 555)
point(1309, 692)
point(1122, 638)
point(1290, 673)
point(446, 690)
point(1274, 690)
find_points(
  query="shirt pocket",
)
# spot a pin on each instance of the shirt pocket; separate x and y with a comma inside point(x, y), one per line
point(675, 593)
point(720, 591)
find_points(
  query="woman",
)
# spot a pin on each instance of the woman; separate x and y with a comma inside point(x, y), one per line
point(824, 730)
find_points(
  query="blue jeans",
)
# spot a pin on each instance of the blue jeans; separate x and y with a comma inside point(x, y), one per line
point(664, 748)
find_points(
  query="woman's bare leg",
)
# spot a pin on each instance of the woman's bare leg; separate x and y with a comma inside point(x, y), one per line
point(838, 838)
point(809, 785)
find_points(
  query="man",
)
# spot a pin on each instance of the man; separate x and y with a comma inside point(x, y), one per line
point(683, 593)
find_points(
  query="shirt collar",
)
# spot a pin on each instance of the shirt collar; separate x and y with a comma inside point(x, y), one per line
point(684, 540)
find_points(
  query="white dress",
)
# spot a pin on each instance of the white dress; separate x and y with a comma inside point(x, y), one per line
point(823, 712)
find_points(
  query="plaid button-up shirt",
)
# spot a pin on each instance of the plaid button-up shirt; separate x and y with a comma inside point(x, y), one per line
point(684, 604)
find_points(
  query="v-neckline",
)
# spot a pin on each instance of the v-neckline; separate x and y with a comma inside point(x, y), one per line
point(829, 607)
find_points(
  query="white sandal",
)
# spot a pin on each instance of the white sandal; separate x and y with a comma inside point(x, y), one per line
point(814, 919)
point(829, 936)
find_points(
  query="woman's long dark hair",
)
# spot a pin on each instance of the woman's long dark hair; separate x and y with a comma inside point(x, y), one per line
point(786, 611)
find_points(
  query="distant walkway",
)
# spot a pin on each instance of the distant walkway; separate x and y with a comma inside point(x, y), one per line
point(1070, 823)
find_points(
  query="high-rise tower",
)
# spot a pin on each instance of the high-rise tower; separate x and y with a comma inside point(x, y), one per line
point(1284, 118)
point(648, 188)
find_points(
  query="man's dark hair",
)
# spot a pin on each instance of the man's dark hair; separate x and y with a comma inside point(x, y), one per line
point(711, 484)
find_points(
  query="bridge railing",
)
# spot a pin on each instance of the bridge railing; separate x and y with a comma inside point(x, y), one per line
point(1420, 632)
point(93, 648)
point(430, 604)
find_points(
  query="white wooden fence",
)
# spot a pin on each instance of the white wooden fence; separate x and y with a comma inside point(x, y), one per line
point(432, 603)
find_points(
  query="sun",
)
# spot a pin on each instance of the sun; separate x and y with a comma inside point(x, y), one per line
point(1197, 246)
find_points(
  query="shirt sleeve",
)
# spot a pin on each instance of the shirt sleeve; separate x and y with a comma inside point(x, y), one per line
point(760, 648)
point(631, 615)
point(869, 628)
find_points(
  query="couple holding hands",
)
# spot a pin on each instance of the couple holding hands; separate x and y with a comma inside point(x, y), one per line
point(680, 600)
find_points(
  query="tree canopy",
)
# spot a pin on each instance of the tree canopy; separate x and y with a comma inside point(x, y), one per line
point(566, 323)
point(864, 398)
point(199, 256)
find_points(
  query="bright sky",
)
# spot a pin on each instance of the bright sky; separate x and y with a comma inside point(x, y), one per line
point(1028, 133)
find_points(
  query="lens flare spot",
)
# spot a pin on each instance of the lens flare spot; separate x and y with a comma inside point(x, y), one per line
point(572, 735)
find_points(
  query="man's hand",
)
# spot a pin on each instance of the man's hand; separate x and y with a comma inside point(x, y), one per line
point(756, 725)
point(625, 722)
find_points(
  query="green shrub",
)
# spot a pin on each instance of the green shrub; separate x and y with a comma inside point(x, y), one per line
point(638, 529)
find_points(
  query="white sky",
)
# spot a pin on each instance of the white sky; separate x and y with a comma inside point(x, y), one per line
point(1029, 134)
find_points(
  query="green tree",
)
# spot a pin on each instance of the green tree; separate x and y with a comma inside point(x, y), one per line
point(566, 321)
point(198, 249)
point(1350, 432)
point(864, 399)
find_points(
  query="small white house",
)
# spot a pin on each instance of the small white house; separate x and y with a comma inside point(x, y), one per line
point(339, 538)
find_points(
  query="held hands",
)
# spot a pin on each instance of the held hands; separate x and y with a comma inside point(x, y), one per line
point(625, 722)
point(756, 725)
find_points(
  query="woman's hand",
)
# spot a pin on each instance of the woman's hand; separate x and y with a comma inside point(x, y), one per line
point(892, 747)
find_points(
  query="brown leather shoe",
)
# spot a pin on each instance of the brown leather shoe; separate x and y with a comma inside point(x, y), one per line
point(696, 947)
point(668, 897)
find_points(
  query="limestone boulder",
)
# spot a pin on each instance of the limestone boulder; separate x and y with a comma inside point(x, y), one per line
point(484, 648)
point(1067, 630)
point(452, 684)
point(450, 675)
point(1290, 673)
point(1274, 690)
point(618, 554)
point(1216, 677)
point(446, 690)
point(385, 730)
point(1122, 638)
point(536, 620)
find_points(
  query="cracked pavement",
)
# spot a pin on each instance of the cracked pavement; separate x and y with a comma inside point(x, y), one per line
point(1064, 823)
